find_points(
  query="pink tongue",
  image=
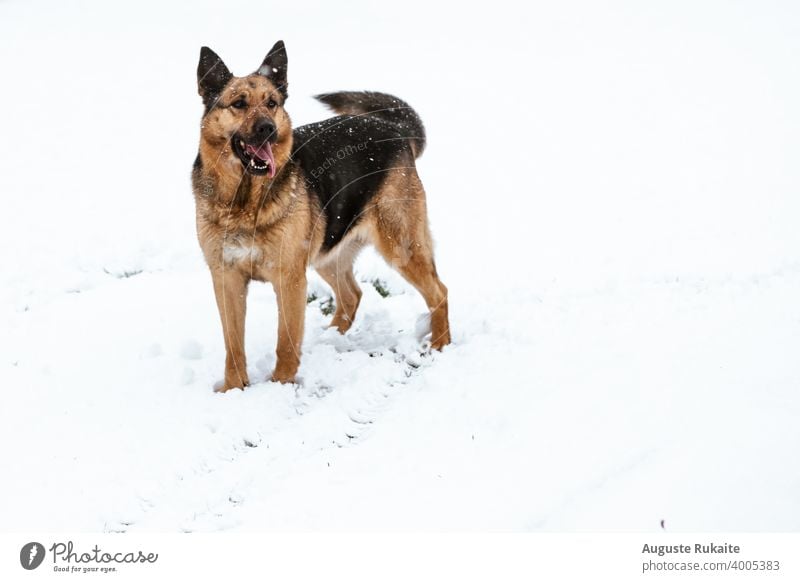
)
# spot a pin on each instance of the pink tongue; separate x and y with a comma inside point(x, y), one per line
point(263, 153)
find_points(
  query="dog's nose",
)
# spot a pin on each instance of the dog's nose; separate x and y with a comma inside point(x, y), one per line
point(263, 129)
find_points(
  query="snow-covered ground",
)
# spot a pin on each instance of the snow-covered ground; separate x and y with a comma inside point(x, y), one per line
point(614, 192)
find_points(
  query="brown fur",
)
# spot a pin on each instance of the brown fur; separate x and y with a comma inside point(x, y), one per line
point(256, 228)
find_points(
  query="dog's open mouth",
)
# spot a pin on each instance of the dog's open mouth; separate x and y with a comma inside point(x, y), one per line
point(256, 159)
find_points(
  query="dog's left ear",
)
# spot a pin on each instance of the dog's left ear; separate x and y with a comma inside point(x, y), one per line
point(274, 67)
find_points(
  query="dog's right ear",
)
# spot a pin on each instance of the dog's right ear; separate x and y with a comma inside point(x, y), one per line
point(212, 76)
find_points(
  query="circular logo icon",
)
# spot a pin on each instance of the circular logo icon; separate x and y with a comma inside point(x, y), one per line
point(31, 555)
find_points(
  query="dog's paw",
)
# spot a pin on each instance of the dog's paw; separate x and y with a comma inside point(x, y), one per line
point(282, 377)
point(230, 385)
point(437, 343)
point(341, 324)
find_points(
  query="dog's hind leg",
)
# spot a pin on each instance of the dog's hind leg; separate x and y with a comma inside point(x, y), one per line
point(337, 272)
point(419, 269)
point(230, 289)
point(403, 239)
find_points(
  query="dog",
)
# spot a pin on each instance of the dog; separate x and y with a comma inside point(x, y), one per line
point(272, 200)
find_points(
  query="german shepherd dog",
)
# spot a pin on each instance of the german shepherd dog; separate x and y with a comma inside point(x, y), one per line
point(271, 201)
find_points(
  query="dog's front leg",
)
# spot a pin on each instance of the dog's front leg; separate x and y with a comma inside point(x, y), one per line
point(230, 288)
point(290, 290)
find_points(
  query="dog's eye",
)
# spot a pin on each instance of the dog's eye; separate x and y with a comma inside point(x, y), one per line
point(239, 104)
point(272, 104)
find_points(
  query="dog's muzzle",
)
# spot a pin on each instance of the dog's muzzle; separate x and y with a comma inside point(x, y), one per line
point(257, 159)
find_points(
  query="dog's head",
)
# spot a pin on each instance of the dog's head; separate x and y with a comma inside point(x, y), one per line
point(245, 121)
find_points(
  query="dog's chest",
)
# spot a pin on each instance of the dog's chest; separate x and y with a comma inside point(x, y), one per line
point(236, 250)
point(248, 252)
point(233, 240)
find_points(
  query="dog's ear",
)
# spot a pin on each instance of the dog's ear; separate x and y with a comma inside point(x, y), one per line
point(212, 76)
point(274, 67)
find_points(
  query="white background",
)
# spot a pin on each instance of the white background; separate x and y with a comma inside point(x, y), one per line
point(613, 189)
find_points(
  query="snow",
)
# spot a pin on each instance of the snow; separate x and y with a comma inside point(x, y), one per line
point(613, 194)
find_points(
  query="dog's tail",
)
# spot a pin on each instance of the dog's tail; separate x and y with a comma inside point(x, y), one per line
point(387, 107)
